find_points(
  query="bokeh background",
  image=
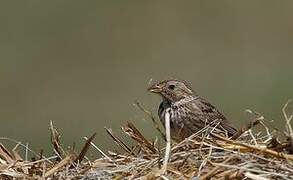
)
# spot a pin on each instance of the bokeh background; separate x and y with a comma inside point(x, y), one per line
point(82, 64)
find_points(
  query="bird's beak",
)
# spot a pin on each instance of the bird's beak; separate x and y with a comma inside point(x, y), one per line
point(156, 88)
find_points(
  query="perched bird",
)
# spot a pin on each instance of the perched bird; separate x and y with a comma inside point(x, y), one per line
point(188, 112)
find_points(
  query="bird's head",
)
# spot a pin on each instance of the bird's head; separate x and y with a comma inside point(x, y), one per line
point(172, 90)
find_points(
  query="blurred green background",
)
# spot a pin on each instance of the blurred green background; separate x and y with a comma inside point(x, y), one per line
point(82, 64)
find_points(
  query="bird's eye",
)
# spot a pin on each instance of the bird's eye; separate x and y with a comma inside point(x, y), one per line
point(171, 87)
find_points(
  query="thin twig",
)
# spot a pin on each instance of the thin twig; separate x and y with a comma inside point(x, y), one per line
point(215, 169)
point(55, 140)
point(100, 151)
point(68, 159)
point(257, 148)
point(118, 141)
point(85, 148)
point(250, 125)
point(288, 126)
point(135, 134)
point(150, 115)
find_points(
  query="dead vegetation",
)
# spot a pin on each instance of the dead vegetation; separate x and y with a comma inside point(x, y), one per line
point(204, 155)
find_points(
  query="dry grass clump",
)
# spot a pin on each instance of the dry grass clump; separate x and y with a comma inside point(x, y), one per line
point(204, 155)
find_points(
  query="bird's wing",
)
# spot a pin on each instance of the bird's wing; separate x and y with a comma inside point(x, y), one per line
point(191, 117)
point(201, 113)
point(211, 111)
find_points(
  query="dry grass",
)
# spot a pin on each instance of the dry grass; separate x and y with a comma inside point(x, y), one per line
point(204, 155)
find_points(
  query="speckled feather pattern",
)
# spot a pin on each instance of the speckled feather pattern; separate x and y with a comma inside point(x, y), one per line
point(189, 113)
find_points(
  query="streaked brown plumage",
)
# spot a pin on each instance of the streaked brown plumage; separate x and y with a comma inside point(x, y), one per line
point(189, 112)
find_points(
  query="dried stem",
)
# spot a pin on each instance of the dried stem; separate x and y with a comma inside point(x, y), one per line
point(168, 142)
